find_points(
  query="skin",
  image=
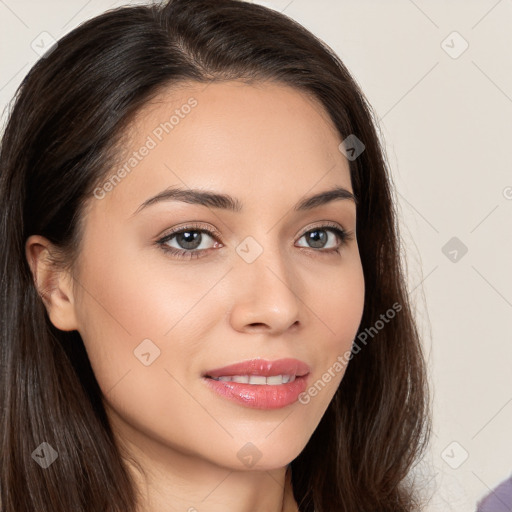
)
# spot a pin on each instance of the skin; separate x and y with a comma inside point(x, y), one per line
point(269, 146)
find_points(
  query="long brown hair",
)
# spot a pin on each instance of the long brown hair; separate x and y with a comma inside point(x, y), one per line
point(68, 117)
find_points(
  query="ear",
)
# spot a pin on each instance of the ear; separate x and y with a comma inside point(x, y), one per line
point(54, 285)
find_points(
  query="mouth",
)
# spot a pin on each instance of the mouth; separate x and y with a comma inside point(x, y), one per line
point(273, 380)
point(260, 372)
point(259, 383)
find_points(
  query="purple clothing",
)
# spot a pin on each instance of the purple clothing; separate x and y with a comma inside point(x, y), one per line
point(498, 500)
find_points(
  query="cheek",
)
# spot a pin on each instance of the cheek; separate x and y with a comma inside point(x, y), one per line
point(123, 301)
point(336, 298)
point(139, 320)
point(132, 306)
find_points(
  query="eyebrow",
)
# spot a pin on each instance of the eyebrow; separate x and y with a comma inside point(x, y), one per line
point(227, 202)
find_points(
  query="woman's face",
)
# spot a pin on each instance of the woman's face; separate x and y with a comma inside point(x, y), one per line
point(262, 281)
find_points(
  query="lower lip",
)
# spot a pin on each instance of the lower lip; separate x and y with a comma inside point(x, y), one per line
point(260, 396)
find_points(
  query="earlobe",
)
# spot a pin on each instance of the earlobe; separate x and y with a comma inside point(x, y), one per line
point(54, 284)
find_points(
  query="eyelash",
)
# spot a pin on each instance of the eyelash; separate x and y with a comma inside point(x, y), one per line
point(342, 234)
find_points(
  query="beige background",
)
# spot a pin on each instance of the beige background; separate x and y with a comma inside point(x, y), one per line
point(446, 120)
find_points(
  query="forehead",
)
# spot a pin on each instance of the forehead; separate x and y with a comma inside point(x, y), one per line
point(246, 139)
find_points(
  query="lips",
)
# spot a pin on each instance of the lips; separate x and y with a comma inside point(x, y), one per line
point(259, 383)
point(261, 367)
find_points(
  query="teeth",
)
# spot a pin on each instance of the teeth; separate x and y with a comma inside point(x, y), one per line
point(242, 379)
point(257, 379)
point(277, 379)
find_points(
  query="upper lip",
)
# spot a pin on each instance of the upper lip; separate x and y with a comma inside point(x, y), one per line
point(288, 366)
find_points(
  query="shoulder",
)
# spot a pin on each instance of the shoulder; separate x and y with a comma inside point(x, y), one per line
point(499, 499)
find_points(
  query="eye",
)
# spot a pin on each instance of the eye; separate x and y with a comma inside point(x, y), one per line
point(319, 238)
point(191, 240)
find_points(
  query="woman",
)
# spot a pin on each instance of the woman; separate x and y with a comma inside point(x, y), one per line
point(192, 318)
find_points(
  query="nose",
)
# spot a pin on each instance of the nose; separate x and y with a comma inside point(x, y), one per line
point(265, 295)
